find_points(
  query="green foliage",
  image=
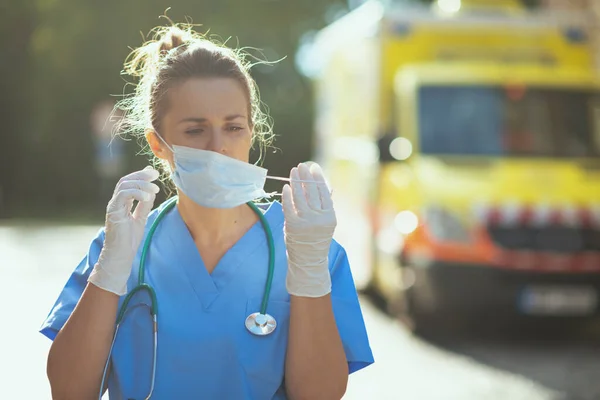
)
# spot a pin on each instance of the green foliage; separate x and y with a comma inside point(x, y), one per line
point(16, 25)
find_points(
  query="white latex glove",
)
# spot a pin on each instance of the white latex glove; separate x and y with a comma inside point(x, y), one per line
point(124, 230)
point(309, 225)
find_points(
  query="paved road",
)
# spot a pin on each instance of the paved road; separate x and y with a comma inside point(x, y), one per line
point(35, 261)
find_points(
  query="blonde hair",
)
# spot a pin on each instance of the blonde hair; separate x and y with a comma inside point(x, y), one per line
point(174, 54)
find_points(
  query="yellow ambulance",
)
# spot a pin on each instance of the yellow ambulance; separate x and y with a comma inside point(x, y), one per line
point(462, 143)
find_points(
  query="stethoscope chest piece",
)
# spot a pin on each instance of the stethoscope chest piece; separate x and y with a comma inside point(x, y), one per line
point(260, 324)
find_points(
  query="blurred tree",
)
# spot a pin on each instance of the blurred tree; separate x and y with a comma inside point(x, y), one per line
point(16, 25)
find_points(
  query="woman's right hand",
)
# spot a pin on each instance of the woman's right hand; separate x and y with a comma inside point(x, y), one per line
point(124, 230)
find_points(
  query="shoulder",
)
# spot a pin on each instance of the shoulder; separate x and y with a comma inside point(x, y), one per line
point(162, 207)
point(273, 213)
point(337, 249)
point(100, 235)
point(338, 259)
point(163, 211)
point(97, 241)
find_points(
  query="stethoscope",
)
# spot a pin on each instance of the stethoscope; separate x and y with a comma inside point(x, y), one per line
point(259, 323)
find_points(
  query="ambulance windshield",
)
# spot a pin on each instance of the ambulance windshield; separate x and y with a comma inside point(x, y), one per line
point(508, 121)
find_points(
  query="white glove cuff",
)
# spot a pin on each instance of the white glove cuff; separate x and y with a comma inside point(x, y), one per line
point(103, 279)
point(308, 281)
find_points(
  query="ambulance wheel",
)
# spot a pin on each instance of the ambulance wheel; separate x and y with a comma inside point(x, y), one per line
point(403, 307)
point(426, 322)
point(375, 296)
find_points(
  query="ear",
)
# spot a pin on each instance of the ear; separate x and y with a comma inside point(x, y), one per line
point(156, 145)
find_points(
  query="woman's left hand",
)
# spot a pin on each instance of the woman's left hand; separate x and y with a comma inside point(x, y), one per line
point(309, 225)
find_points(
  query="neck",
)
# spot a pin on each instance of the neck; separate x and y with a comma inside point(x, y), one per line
point(212, 225)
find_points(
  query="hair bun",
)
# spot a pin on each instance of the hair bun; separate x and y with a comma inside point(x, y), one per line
point(172, 38)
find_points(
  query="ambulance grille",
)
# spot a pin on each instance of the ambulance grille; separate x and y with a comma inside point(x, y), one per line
point(553, 238)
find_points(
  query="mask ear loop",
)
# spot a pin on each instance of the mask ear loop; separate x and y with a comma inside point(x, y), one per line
point(163, 140)
point(278, 178)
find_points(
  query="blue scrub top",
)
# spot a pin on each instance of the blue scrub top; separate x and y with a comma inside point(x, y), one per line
point(204, 349)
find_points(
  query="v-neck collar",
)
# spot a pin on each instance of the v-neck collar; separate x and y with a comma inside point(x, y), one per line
point(207, 287)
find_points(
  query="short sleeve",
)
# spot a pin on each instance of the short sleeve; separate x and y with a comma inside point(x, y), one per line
point(68, 298)
point(347, 311)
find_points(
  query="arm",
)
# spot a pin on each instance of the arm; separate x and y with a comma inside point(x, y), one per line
point(315, 366)
point(78, 354)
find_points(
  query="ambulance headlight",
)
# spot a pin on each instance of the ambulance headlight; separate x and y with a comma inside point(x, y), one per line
point(406, 222)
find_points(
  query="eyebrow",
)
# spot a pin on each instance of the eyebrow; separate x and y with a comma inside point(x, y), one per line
point(201, 120)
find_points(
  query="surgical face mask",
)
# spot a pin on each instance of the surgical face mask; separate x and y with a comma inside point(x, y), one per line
point(215, 180)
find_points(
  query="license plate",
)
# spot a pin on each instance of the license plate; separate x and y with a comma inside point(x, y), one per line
point(558, 300)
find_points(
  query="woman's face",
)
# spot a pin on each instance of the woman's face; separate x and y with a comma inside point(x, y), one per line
point(207, 114)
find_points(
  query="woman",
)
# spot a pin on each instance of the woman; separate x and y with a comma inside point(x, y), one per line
point(208, 258)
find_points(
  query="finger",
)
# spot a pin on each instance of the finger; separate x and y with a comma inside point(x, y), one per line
point(124, 198)
point(148, 174)
point(298, 192)
point(148, 187)
point(311, 191)
point(143, 208)
point(286, 200)
point(324, 193)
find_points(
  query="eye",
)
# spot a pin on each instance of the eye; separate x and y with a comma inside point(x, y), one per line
point(195, 131)
point(235, 128)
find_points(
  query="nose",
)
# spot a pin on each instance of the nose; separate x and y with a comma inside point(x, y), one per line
point(217, 142)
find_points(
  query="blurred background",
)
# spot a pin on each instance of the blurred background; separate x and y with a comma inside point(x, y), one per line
point(461, 139)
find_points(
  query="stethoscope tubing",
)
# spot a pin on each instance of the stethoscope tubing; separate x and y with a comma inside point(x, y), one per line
point(112, 345)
